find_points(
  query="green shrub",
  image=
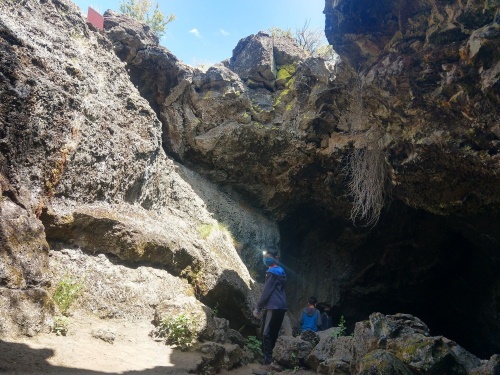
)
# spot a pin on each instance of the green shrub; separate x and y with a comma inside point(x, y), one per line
point(61, 326)
point(278, 32)
point(141, 10)
point(216, 309)
point(341, 328)
point(178, 330)
point(66, 293)
point(254, 345)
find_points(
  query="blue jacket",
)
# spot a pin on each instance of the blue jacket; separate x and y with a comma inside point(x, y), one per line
point(310, 319)
point(273, 295)
point(326, 321)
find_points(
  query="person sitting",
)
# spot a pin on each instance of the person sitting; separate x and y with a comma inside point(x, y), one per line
point(310, 318)
point(326, 316)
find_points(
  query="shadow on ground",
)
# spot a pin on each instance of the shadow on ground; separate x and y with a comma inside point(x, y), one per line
point(17, 358)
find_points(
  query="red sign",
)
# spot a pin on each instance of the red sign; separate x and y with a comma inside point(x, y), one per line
point(95, 18)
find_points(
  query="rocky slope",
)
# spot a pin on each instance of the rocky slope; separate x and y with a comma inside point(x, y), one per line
point(265, 142)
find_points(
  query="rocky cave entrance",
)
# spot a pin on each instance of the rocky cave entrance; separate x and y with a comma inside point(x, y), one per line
point(411, 262)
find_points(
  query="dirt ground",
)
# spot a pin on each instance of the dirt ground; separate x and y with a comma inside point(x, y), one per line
point(81, 353)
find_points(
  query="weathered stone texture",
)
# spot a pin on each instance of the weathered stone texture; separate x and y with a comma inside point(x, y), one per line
point(82, 151)
point(84, 139)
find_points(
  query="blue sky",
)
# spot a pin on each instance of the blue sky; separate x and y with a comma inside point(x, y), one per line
point(206, 31)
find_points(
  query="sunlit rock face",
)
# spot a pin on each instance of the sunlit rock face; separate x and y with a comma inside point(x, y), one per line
point(82, 167)
point(247, 123)
point(25, 305)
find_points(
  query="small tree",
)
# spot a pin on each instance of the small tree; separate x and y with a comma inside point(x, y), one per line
point(309, 39)
point(326, 52)
point(278, 32)
point(141, 10)
point(312, 40)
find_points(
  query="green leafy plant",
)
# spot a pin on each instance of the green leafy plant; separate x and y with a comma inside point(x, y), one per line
point(196, 275)
point(195, 278)
point(205, 369)
point(312, 40)
point(66, 293)
point(141, 10)
point(61, 326)
point(341, 328)
point(254, 345)
point(205, 230)
point(294, 361)
point(296, 367)
point(216, 309)
point(326, 52)
point(278, 32)
point(178, 330)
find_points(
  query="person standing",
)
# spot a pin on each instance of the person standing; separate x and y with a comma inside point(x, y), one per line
point(273, 302)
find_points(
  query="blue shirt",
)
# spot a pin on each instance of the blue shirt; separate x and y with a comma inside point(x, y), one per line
point(310, 319)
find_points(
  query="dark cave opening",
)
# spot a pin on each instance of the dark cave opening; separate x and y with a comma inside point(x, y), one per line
point(412, 262)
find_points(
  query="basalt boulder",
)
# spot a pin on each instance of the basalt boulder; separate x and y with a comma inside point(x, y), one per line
point(215, 357)
point(408, 338)
point(381, 362)
point(291, 351)
point(385, 344)
point(26, 307)
point(333, 349)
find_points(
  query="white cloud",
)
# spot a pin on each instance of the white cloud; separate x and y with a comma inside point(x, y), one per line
point(195, 32)
point(224, 32)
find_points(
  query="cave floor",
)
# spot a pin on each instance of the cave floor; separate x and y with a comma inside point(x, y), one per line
point(80, 353)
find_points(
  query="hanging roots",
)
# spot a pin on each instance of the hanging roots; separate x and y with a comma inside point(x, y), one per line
point(367, 174)
point(366, 168)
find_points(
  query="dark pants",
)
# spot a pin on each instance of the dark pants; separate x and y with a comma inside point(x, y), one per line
point(270, 331)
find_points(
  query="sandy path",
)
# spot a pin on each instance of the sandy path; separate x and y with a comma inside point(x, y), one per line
point(132, 352)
